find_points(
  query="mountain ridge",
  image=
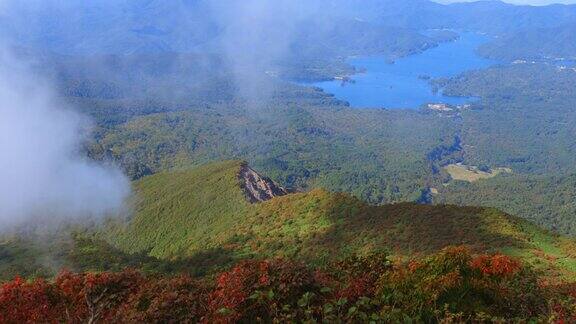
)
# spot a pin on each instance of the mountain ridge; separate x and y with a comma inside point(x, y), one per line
point(318, 226)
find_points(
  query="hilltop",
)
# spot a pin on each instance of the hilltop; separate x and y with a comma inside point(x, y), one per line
point(183, 214)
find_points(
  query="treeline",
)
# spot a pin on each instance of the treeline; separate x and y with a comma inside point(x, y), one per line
point(452, 285)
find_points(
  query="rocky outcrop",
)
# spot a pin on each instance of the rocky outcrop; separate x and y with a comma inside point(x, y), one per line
point(258, 188)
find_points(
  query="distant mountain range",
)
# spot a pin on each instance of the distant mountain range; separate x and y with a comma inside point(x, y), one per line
point(492, 17)
point(130, 26)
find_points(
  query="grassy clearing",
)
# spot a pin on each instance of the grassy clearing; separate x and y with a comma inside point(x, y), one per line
point(471, 173)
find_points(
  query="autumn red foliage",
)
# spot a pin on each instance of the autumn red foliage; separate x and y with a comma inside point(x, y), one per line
point(452, 285)
point(255, 290)
point(495, 265)
point(29, 302)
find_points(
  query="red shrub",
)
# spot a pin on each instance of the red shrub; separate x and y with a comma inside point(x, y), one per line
point(28, 302)
point(95, 296)
point(252, 290)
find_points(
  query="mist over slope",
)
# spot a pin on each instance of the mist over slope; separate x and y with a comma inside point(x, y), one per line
point(46, 178)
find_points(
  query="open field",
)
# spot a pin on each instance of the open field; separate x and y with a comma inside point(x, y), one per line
point(472, 173)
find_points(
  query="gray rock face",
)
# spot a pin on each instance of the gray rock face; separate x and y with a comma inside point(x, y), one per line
point(258, 188)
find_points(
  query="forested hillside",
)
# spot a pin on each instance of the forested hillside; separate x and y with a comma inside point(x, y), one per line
point(524, 121)
point(300, 138)
point(545, 200)
point(493, 17)
point(303, 137)
point(534, 44)
point(163, 98)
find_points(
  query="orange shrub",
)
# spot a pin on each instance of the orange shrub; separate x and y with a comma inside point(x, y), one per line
point(495, 265)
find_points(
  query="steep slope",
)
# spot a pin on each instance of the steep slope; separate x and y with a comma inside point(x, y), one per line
point(183, 213)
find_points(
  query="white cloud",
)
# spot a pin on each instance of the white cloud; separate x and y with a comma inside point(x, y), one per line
point(44, 176)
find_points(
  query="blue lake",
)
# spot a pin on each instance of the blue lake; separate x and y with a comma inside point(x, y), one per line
point(400, 85)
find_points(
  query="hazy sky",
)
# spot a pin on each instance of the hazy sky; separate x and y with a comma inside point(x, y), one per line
point(522, 2)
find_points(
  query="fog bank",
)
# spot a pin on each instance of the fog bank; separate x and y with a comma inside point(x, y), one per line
point(44, 175)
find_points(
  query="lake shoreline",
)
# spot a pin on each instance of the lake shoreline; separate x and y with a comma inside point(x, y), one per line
point(405, 84)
